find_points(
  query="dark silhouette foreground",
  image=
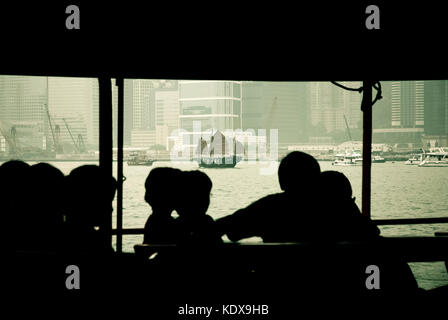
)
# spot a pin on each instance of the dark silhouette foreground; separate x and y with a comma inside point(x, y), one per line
point(314, 208)
point(340, 217)
point(187, 193)
point(88, 207)
point(162, 193)
point(288, 216)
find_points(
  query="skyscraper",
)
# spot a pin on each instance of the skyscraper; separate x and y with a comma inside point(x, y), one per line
point(400, 117)
point(167, 108)
point(73, 104)
point(331, 106)
point(436, 107)
point(23, 102)
point(408, 102)
point(277, 105)
point(153, 107)
point(213, 105)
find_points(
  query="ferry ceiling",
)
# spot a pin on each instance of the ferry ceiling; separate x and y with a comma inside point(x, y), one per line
point(279, 42)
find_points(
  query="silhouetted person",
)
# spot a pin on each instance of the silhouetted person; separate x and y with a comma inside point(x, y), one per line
point(14, 175)
point(341, 220)
point(282, 217)
point(194, 225)
point(162, 185)
point(340, 217)
point(90, 192)
point(44, 219)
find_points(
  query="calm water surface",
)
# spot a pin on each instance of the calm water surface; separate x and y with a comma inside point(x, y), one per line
point(398, 191)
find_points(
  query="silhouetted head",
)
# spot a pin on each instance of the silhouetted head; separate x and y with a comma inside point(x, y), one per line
point(90, 192)
point(45, 186)
point(161, 189)
point(335, 185)
point(11, 173)
point(43, 221)
point(194, 194)
point(297, 171)
point(13, 166)
point(14, 175)
point(14, 204)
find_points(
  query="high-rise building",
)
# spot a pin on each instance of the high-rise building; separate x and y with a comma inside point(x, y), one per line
point(73, 104)
point(436, 107)
point(408, 100)
point(333, 108)
point(381, 111)
point(167, 106)
point(23, 101)
point(277, 105)
point(211, 105)
point(400, 116)
point(128, 103)
point(153, 109)
point(436, 114)
point(141, 111)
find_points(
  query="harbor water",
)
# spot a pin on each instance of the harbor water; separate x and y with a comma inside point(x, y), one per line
point(398, 191)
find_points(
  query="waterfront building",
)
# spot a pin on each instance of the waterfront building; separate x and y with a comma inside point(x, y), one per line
point(74, 107)
point(400, 116)
point(207, 106)
point(276, 105)
point(333, 109)
point(23, 102)
point(150, 104)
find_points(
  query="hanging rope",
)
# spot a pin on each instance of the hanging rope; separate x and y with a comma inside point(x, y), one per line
point(347, 88)
point(376, 85)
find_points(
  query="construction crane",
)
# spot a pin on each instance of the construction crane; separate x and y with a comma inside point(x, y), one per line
point(54, 133)
point(79, 145)
point(11, 140)
point(348, 129)
point(71, 136)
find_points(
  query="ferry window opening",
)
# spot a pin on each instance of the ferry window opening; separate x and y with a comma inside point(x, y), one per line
point(162, 115)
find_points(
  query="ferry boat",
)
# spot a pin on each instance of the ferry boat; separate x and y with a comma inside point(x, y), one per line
point(415, 159)
point(214, 155)
point(435, 159)
point(137, 159)
point(378, 159)
point(347, 159)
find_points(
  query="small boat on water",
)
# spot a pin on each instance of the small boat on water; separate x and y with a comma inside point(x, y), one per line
point(435, 159)
point(216, 155)
point(347, 159)
point(415, 159)
point(138, 159)
point(378, 159)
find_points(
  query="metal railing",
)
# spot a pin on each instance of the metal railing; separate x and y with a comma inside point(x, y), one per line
point(380, 222)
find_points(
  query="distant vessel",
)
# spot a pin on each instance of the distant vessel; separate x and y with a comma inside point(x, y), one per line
point(415, 159)
point(378, 159)
point(214, 155)
point(347, 159)
point(138, 159)
point(435, 159)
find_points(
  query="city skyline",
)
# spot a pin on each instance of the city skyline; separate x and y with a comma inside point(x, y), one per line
point(303, 112)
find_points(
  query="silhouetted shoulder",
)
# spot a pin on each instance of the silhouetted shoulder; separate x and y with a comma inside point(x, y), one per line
point(201, 230)
point(90, 192)
point(160, 229)
point(253, 220)
point(341, 218)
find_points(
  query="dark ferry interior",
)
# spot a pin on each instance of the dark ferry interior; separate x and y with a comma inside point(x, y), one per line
point(324, 278)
